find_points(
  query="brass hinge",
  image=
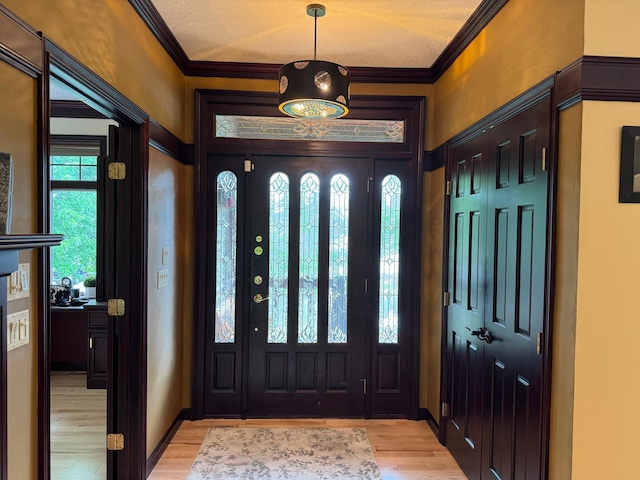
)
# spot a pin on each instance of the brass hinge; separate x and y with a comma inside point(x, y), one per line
point(448, 187)
point(445, 409)
point(90, 342)
point(539, 343)
point(115, 307)
point(248, 166)
point(115, 441)
point(544, 159)
point(446, 299)
point(117, 171)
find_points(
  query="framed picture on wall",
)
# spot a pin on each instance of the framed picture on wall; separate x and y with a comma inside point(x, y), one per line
point(6, 189)
point(630, 165)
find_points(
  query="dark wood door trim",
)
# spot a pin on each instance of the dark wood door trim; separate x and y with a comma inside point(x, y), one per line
point(128, 283)
point(410, 109)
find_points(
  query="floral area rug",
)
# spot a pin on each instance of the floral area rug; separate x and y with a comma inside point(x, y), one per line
point(285, 453)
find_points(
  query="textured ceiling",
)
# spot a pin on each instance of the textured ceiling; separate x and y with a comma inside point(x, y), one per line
point(354, 33)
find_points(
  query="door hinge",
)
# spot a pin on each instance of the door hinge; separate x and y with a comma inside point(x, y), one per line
point(248, 166)
point(115, 441)
point(539, 343)
point(115, 307)
point(117, 171)
point(90, 343)
point(366, 285)
point(445, 409)
point(446, 299)
point(364, 385)
point(448, 187)
point(369, 180)
point(544, 158)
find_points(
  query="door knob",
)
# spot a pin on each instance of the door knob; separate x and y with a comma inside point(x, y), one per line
point(482, 333)
point(257, 298)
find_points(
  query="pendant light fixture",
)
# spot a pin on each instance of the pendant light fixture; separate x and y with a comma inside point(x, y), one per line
point(314, 88)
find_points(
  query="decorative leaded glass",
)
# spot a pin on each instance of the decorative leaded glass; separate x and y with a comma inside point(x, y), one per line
point(338, 258)
point(278, 257)
point(389, 259)
point(309, 237)
point(281, 128)
point(226, 245)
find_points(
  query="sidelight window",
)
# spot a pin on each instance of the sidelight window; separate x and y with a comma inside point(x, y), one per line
point(389, 259)
point(226, 241)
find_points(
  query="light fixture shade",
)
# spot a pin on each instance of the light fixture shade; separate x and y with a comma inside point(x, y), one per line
point(314, 89)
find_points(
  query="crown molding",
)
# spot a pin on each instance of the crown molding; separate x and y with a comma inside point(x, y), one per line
point(20, 43)
point(264, 71)
point(472, 27)
point(599, 78)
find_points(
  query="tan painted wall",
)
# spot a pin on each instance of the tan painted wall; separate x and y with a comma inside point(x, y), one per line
point(18, 137)
point(167, 229)
point(525, 43)
point(605, 420)
point(611, 28)
point(111, 39)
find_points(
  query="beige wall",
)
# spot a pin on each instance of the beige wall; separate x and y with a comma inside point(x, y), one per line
point(167, 229)
point(18, 137)
point(525, 43)
point(605, 420)
point(111, 39)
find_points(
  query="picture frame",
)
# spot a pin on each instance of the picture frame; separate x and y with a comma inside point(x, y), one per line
point(630, 165)
point(6, 192)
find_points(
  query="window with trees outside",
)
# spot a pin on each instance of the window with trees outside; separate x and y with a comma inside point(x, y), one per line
point(73, 168)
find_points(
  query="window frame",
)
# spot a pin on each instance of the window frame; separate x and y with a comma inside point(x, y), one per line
point(81, 145)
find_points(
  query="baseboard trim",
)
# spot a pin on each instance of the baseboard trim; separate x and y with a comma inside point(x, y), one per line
point(425, 415)
point(153, 459)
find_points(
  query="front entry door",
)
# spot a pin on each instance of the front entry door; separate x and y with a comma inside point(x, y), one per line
point(306, 284)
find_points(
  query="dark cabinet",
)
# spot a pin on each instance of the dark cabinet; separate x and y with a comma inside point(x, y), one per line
point(97, 344)
point(68, 338)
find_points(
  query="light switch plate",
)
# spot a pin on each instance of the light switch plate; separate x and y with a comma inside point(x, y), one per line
point(165, 255)
point(18, 283)
point(18, 329)
point(163, 278)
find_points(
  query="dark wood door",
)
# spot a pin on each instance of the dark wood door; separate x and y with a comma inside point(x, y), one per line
point(307, 293)
point(310, 305)
point(466, 312)
point(497, 267)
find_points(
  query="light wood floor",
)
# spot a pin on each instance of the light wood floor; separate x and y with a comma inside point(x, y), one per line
point(78, 428)
point(404, 449)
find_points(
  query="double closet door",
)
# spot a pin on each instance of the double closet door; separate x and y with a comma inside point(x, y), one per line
point(496, 279)
point(304, 262)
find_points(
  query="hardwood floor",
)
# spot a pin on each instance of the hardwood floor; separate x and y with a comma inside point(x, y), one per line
point(404, 449)
point(78, 428)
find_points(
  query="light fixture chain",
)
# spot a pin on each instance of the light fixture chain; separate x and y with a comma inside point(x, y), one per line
point(315, 31)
